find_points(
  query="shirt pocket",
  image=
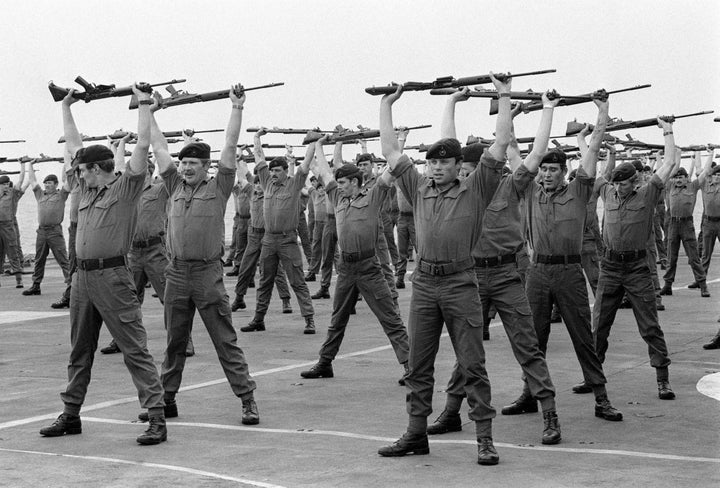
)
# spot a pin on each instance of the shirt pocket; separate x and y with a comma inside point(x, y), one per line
point(494, 214)
point(565, 208)
point(357, 211)
point(204, 205)
point(282, 200)
point(107, 211)
point(612, 211)
point(635, 212)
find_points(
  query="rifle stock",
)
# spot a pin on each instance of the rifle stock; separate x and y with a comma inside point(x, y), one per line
point(575, 127)
point(97, 92)
point(183, 98)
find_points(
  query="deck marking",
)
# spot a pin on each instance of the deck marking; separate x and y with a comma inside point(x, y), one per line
point(710, 386)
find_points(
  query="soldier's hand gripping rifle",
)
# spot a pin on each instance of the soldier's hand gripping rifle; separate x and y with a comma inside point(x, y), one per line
point(181, 97)
point(96, 92)
point(449, 82)
point(574, 127)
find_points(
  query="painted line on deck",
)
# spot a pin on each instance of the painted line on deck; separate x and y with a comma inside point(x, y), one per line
point(709, 282)
point(16, 316)
point(710, 386)
point(352, 435)
point(169, 467)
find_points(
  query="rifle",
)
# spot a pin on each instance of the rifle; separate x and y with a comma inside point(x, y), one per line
point(419, 147)
point(488, 142)
point(176, 154)
point(266, 146)
point(364, 133)
point(3, 172)
point(449, 82)
point(181, 97)
point(574, 127)
point(716, 119)
point(564, 100)
point(12, 142)
point(96, 92)
point(277, 130)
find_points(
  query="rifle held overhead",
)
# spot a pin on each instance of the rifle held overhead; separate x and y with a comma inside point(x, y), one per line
point(96, 92)
point(181, 97)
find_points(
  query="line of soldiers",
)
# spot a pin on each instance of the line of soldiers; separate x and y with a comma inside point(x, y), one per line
point(492, 228)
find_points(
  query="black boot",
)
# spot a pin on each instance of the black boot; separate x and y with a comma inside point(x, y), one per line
point(551, 429)
point(320, 370)
point(446, 422)
point(309, 325)
point(250, 415)
point(524, 404)
point(111, 348)
point(155, 433)
point(64, 424)
point(33, 290)
point(407, 444)
point(256, 324)
point(487, 455)
point(605, 410)
point(238, 303)
point(323, 292)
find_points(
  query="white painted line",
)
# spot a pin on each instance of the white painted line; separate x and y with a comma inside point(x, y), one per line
point(12, 316)
point(710, 386)
point(169, 467)
point(351, 435)
point(685, 287)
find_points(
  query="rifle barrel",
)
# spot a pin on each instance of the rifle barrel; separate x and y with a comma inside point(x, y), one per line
point(13, 141)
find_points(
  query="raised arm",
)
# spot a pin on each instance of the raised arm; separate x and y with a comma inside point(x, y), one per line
point(32, 179)
point(611, 158)
point(73, 139)
point(138, 160)
point(232, 133)
point(503, 123)
point(670, 163)
point(540, 144)
point(402, 134)
point(388, 141)
point(321, 164)
point(290, 157)
point(447, 125)
point(581, 141)
point(120, 152)
point(589, 160)
point(513, 150)
point(697, 163)
point(707, 167)
point(309, 156)
point(337, 160)
point(258, 152)
point(159, 144)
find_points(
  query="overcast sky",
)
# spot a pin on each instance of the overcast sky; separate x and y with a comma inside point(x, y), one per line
point(328, 52)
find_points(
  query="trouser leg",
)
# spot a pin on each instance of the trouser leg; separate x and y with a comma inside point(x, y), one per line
point(42, 248)
point(673, 246)
point(344, 300)
point(248, 264)
point(179, 313)
point(289, 254)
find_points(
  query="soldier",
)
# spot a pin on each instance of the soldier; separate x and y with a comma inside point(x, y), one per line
point(357, 212)
point(501, 237)
point(9, 196)
point(317, 211)
point(51, 211)
point(279, 244)
point(195, 247)
point(448, 213)
point(556, 213)
point(628, 223)
point(710, 188)
point(103, 289)
point(680, 201)
point(242, 192)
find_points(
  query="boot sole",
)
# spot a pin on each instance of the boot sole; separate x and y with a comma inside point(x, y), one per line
point(250, 421)
point(309, 331)
point(73, 431)
point(151, 442)
point(315, 377)
point(609, 418)
point(417, 452)
point(550, 442)
point(488, 462)
point(520, 411)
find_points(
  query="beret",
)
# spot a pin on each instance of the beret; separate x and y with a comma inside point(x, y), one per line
point(472, 152)
point(93, 154)
point(445, 148)
point(4, 179)
point(554, 156)
point(647, 168)
point(279, 161)
point(681, 172)
point(51, 178)
point(364, 157)
point(637, 164)
point(715, 170)
point(622, 172)
point(348, 171)
point(198, 150)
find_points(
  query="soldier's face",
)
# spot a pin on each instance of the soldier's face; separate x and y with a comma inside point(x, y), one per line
point(466, 170)
point(552, 175)
point(444, 170)
point(348, 187)
point(90, 175)
point(193, 170)
point(624, 188)
point(715, 178)
point(278, 173)
point(4, 187)
point(366, 168)
point(50, 186)
point(680, 180)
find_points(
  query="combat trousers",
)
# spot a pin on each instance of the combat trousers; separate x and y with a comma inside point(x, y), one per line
point(317, 254)
point(591, 266)
point(631, 279)
point(406, 241)
point(20, 253)
point(564, 284)
point(389, 221)
point(50, 238)
point(304, 234)
point(148, 263)
point(383, 254)
point(8, 246)
point(240, 238)
point(660, 237)
point(329, 247)
point(282, 248)
point(683, 231)
point(502, 287)
point(711, 232)
point(366, 278)
point(108, 295)
point(191, 285)
point(248, 265)
point(72, 257)
point(451, 299)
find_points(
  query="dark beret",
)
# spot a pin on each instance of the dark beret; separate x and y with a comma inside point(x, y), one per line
point(445, 148)
point(647, 168)
point(364, 157)
point(637, 164)
point(622, 172)
point(4, 179)
point(50, 178)
point(93, 154)
point(554, 156)
point(472, 152)
point(715, 170)
point(279, 161)
point(681, 172)
point(198, 150)
point(348, 171)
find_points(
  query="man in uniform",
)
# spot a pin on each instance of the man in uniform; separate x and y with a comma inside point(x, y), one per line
point(710, 188)
point(501, 237)
point(9, 196)
point(279, 244)
point(357, 212)
point(51, 211)
point(103, 289)
point(317, 210)
point(556, 213)
point(629, 209)
point(241, 221)
point(448, 213)
point(681, 198)
point(195, 247)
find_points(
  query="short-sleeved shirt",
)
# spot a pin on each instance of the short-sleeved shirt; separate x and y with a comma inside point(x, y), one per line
point(196, 224)
point(448, 221)
point(556, 220)
point(357, 218)
point(152, 212)
point(8, 203)
point(502, 227)
point(107, 216)
point(711, 198)
point(257, 216)
point(282, 200)
point(319, 205)
point(628, 222)
point(681, 201)
point(242, 194)
point(51, 206)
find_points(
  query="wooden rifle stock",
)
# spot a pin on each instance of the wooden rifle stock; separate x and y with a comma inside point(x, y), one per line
point(575, 127)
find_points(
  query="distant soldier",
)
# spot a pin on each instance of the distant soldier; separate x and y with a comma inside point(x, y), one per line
point(9, 196)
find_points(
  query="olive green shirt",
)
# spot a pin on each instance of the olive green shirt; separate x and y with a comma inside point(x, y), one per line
point(357, 218)
point(51, 206)
point(282, 199)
